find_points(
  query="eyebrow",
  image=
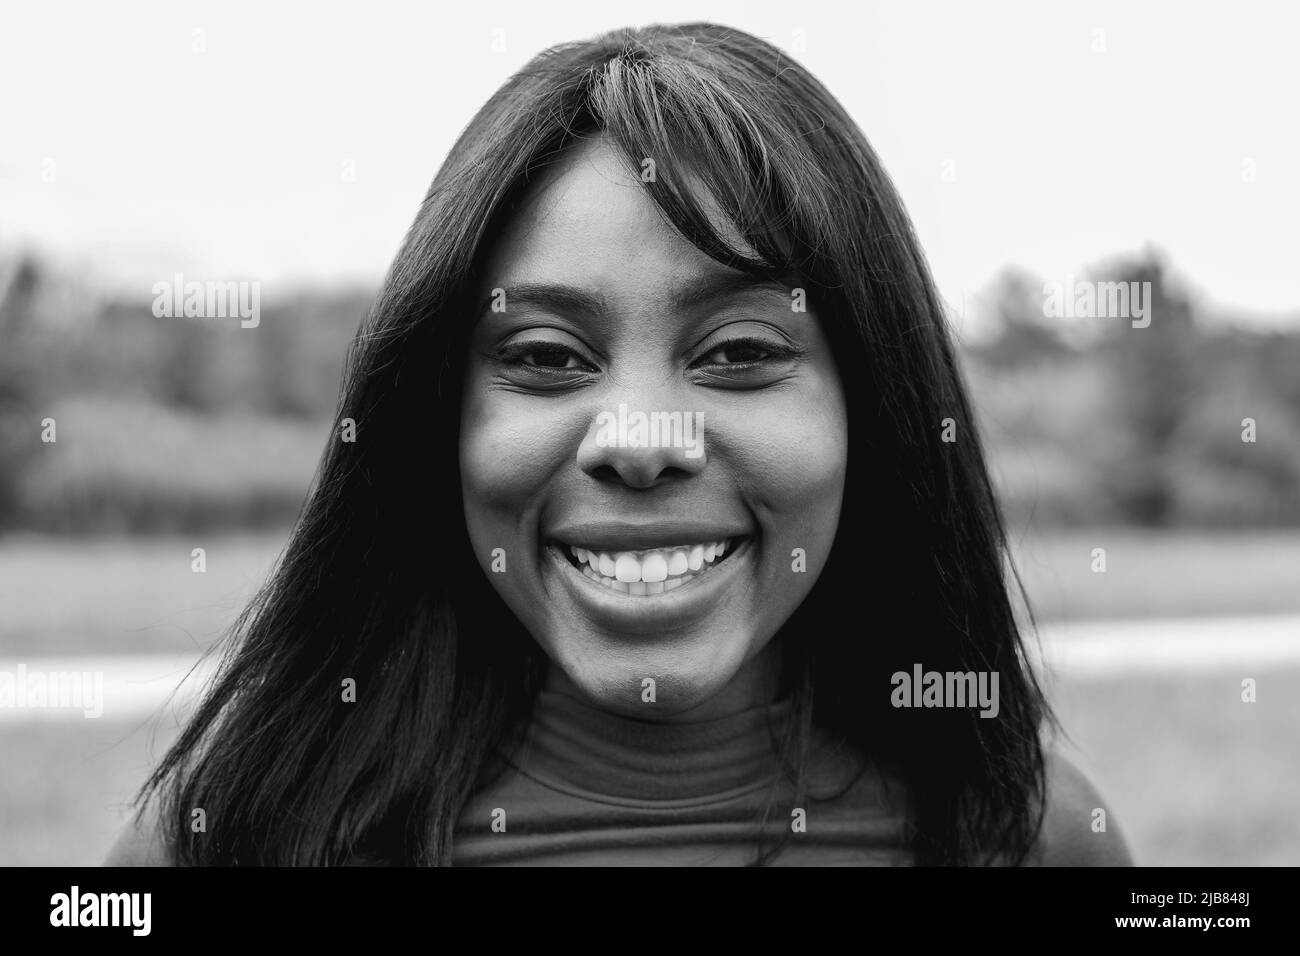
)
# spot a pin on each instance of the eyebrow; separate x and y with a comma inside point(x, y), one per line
point(700, 292)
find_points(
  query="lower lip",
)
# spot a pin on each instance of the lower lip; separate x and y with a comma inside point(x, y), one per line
point(651, 613)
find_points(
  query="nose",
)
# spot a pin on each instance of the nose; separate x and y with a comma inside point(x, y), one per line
point(643, 448)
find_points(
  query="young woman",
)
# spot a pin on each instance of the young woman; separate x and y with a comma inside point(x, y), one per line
point(655, 502)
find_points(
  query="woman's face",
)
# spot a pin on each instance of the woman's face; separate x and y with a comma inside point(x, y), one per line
point(652, 451)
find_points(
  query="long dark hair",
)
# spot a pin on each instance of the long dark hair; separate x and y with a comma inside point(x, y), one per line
point(376, 585)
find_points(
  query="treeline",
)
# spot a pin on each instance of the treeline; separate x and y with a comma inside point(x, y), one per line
point(161, 424)
point(1191, 421)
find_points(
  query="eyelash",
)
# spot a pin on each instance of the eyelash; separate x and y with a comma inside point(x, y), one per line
point(515, 353)
point(772, 350)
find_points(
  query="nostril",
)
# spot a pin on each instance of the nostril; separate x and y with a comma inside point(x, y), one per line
point(635, 477)
point(606, 473)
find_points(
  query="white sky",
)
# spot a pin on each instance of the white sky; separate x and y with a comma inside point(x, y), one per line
point(229, 162)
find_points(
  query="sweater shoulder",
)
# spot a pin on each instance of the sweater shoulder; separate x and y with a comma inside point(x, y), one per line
point(1079, 825)
point(141, 842)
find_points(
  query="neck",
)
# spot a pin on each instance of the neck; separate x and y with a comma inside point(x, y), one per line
point(577, 747)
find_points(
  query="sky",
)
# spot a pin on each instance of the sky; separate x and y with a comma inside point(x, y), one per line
point(293, 142)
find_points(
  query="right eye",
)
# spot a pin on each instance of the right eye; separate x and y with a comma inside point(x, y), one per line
point(547, 355)
point(543, 362)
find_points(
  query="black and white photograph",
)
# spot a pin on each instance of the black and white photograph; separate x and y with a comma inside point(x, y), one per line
point(651, 435)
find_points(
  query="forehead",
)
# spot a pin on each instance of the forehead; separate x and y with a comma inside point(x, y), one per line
point(590, 220)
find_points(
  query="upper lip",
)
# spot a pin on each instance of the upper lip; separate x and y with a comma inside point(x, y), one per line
point(624, 536)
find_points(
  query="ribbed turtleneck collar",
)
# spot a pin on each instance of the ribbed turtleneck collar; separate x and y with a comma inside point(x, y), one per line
point(576, 748)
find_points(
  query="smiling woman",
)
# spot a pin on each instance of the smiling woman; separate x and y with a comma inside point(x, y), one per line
point(571, 649)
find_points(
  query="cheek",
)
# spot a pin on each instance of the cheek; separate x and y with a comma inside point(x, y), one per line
point(796, 459)
point(799, 494)
point(503, 466)
point(507, 448)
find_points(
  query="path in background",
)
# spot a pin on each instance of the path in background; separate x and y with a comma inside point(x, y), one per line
point(1170, 646)
point(137, 685)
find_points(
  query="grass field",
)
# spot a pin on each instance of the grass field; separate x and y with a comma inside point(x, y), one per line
point(1195, 776)
point(108, 595)
point(1159, 574)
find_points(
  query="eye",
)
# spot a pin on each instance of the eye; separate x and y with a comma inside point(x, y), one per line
point(746, 361)
point(739, 352)
point(543, 359)
point(746, 352)
point(549, 355)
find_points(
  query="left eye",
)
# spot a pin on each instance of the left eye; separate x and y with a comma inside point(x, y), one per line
point(737, 353)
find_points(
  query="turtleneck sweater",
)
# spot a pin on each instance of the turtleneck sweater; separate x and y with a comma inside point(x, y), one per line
point(587, 787)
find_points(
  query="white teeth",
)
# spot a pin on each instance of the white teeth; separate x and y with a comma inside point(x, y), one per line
point(627, 569)
point(654, 569)
point(648, 572)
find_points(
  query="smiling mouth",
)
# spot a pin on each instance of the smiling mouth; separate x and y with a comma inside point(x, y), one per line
point(653, 571)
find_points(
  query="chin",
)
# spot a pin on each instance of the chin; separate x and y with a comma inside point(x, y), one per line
point(686, 678)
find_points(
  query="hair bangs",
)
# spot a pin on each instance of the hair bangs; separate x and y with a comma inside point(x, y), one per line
point(703, 150)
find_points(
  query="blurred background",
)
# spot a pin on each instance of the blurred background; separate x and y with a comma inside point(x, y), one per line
point(291, 148)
